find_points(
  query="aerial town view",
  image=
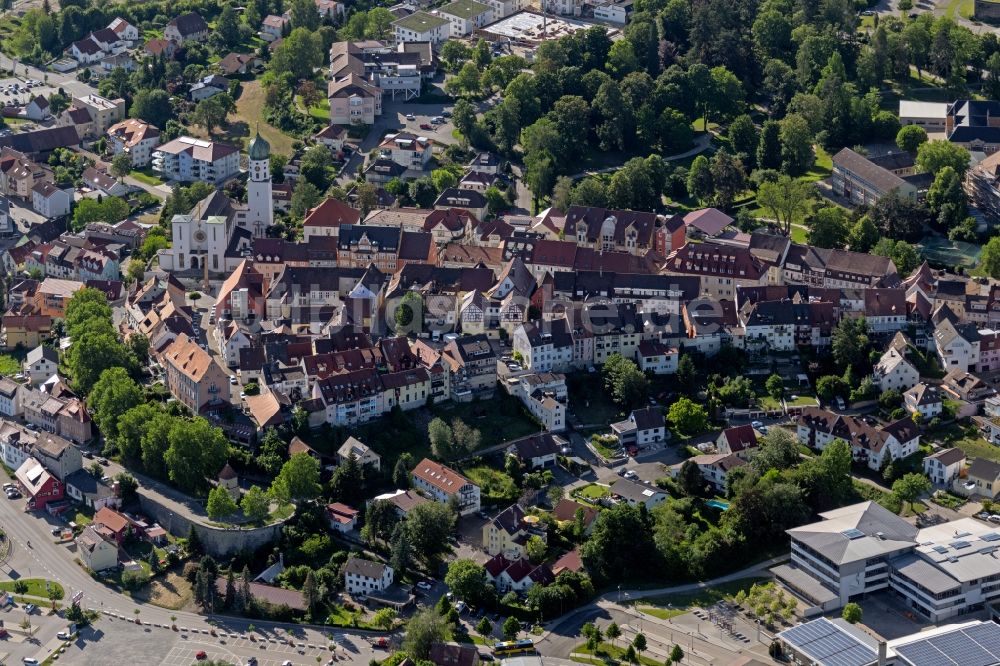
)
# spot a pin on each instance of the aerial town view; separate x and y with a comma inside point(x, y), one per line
point(507, 332)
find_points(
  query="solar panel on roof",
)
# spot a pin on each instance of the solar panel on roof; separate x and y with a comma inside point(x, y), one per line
point(990, 536)
point(940, 549)
point(825, 642)
point(853, 533)
point(958, 545)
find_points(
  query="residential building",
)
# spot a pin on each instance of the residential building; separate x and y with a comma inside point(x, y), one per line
point(353, 101)
point(537, 451)
point(103, 114)
point(112, 525)
point(737, 440)
point(103, 183)
point(545, 346)
point(96, 552)
point(818, 427)
point(566, 511)
point(327, 218)
point(50, 201)
point(516, 575)
point(273, 27)
point(188, 27)
point(90, 491)
point(864, 182)
point(722, 268)
point(407, 150)
point(421, 27)
point(957, 345)
point(895, 372)
point(37, 484)
point(544, 395)
point(508, 532)
point(363, 577)
point(364, 454)
point(351, 397)
point(209, 86)
point(657, 358)
point(923, 399)
point(125, 31)
point(187, 159)
point(635, 493)
point(472, 367)
point(642, 428)
point(10, 400)
point(465, 16)
point(713, 467)
point(342, 518)
point(962, 385)
point(193, 376)
point(41, 363)
point(944, 466)
point(442, 484)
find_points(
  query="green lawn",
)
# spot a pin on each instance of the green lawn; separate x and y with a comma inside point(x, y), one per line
point(606, 651)
point(493, 483)
point(590, 402)
point(702, 598)
point(801, 401)
point(967, 438)
point(498, 420)
point(36, 587)
point(9, 365)
point(800, 234)
point(593, 492)
point(321, 111)
point(146, 176)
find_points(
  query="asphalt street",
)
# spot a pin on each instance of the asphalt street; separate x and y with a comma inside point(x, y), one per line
point(48, 559)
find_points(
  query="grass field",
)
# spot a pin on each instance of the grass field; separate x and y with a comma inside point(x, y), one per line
point(968, 439)
point(671, 605)
point(594, 492)
point(250, 112)
point(607, 651)
point(493, 483)
point(9, 365)
point(495, 424)
point(35, 587)
point(321, 111)
point(146, 176)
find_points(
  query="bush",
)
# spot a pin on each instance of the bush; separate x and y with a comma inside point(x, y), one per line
point(134, 579)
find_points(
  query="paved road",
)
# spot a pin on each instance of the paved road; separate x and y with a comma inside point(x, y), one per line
point(50, 560)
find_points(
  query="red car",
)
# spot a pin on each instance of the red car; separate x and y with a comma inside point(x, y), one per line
point(201, 655)
point(426, 126)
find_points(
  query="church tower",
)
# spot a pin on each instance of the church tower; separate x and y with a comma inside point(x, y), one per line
point(260, 205)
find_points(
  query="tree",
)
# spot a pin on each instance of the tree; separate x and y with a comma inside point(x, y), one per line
point(903, 255)
point(153, 106)
point(851, 613)
point(536, 549)
point(466, 83)
point(787, 199)
point(316, 166)
point(946, 198)
point(769, 149)
point(828, 227)
point(932, 156)
point(310, 591)
point(775, 450)
point(829, 387)
point(639, 643)
point(910, 487)
point(298, 54)
point(688, 417)
point(304, 15)
point(401, 471)
point(298, 479)
point(989, 258)
point(849, 342)
point(400, 556)
point(440, 436)
point(255, 504)
point(453, 54)
point(691, 480)
point(111, 396)
point(511, 628)
point(775, 386)
point(863, 235)
point(613, 632)
point(796, 145)
point(220, 503)
point(304, 196)
point(467, 580)
point(380, 521)
point(728, 178)
point(484, 628)
point(228, 28)
point(423, 629)
point(699, 182)
point(196, 451)
point(384, 618)
point(677, 654)
point(121, 166)
point(744, 138)
point(910, 138)
point(428, 527)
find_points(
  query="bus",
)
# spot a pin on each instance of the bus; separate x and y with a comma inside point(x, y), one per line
point(514, 647)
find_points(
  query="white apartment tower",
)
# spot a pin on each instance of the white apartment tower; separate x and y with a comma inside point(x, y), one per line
point(260, 205)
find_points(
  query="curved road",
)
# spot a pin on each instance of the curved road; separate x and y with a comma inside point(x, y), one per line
point(55, 561)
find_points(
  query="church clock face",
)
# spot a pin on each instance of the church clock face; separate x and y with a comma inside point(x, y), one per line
point(199, 236)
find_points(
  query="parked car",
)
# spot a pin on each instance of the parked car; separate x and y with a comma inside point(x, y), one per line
point(232, 379)
point(30, 608)
point(30, 661)
point(424, 585)
point(200, 655)
point(410, 116)
point(103, 461)
point(426, 126)
point(64, 635)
